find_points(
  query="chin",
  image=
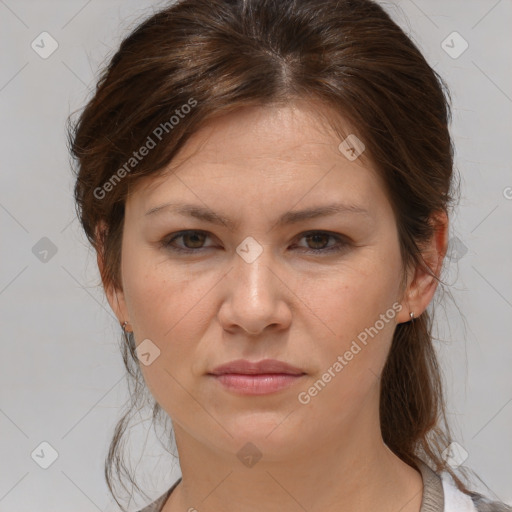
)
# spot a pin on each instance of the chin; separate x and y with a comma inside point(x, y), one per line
point(270, 431)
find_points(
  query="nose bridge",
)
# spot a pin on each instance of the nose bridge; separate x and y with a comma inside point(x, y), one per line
point(255, 297)
point(253, 267)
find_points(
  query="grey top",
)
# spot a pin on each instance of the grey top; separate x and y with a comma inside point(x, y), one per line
point(432, 500)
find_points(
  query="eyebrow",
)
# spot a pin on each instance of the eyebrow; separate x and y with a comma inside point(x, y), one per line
point(291, 217)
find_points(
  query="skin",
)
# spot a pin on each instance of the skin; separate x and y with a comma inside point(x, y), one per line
point(210, 307)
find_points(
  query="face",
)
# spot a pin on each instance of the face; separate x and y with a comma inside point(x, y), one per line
point(319, 292)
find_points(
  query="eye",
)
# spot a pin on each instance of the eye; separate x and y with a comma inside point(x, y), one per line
point(193, 241)
point(320, 239)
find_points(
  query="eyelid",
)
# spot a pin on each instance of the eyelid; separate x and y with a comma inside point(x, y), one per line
point(178, 234)
point(342, 241)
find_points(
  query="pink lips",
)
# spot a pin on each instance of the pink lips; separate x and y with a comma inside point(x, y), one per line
point(256, 378)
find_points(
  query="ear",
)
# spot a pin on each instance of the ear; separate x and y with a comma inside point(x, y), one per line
point(421, 283)
point(115, 296)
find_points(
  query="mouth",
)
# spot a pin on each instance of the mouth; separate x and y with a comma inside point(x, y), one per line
point(256, 378)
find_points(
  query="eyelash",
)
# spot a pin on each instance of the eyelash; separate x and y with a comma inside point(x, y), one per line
point(342, 242)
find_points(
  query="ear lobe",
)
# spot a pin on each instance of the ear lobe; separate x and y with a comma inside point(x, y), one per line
point(117, 303)
point(423, 285)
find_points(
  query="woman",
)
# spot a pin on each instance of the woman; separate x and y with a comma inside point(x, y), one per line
point(267, 186)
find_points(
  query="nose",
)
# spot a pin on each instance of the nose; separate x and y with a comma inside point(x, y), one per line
point(255, 295)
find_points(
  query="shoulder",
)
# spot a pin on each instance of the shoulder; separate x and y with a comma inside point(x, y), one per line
point(157, 505)
point(455, 500)
point(483, 504)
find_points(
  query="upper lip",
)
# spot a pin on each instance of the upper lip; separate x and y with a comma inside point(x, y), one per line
point(265, 366)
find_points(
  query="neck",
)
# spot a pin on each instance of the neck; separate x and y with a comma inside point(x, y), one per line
point(352, 471)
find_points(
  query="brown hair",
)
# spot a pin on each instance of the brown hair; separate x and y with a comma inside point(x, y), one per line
point(217, 56)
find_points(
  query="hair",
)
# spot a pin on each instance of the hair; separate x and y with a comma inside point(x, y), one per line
point(217, 56)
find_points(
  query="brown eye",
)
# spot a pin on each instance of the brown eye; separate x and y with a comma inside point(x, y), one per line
point(192, 241)
point(317, 242)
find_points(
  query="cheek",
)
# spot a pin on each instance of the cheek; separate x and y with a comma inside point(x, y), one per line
point(355, 311)
point(353, 297)
point(173, 309)
point(158, 295)
point(165, 306)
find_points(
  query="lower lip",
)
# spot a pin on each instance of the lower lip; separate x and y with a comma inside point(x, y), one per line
point(260, 384)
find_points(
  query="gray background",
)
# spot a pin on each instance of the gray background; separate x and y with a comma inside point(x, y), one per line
point(61, 374)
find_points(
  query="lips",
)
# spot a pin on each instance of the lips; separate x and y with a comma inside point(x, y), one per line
point(261, 384)
point(265, 366)
point(264, 377)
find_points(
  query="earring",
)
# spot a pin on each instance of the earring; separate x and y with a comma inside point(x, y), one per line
point(411, 314)
point(128, 336)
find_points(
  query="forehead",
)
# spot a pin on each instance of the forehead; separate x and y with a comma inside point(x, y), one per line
point(288, 151)
point(298, 131)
